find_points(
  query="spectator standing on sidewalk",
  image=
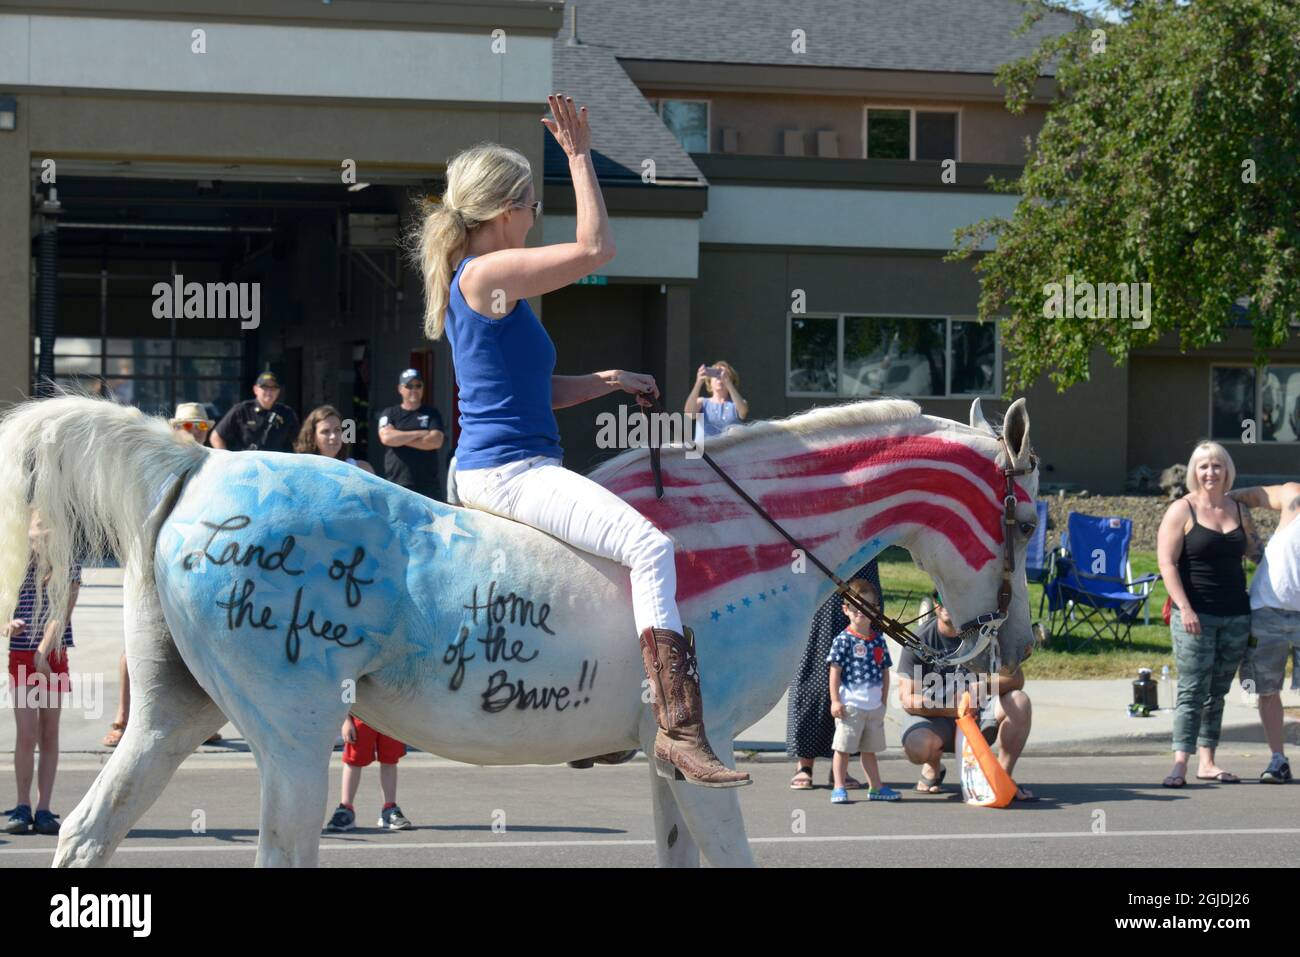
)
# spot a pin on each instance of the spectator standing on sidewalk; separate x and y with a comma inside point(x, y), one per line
point(322, 434)
point(38, 676)
point(261, 422)
point(810, 726)
point(1202, 542)
point(724, 407)
point(1275, 618)
point(412, 433)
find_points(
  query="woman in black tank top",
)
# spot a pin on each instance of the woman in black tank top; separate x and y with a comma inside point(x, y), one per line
point(1203, 539)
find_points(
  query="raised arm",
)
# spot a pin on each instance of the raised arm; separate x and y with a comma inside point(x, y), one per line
point(693, 397)
point(509, 274)
point(742, 407)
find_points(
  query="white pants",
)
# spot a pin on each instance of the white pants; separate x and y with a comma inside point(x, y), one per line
point(541, 492)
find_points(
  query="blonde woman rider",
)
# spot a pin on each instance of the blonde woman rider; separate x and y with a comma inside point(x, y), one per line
point(478, 277)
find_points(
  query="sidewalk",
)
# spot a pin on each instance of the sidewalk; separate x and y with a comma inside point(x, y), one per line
point(1070, 717)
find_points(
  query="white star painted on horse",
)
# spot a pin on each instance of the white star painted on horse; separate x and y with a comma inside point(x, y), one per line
point(445, 527)
point(267, 481)
point(193, 538)
point(397, 644)
point(354, 482)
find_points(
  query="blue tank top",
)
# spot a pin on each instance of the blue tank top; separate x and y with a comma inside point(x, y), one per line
point(503, 368)
point(714, 418)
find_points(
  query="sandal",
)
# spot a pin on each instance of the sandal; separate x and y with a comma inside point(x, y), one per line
point(1024, 795)
point(114, 736)
point(850, 783)
point(929, 785)
point(1223, 777)
point(1174, 781)
point(802, 780)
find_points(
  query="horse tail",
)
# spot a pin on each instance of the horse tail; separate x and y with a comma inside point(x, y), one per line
point(92, 468)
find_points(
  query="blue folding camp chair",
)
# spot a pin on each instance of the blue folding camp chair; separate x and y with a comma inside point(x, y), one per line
point(1038, 559)
point(1092, 584)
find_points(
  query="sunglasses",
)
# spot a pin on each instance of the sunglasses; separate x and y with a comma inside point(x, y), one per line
point(536, 207)
point(413, 385)
point(192, 426)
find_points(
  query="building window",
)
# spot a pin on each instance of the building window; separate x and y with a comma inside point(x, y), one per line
point(689, 122)
point(889, 134)
point(1268, 397)
point(856, 356)
point(813, 361)
point(907, 133)
point(152, 374)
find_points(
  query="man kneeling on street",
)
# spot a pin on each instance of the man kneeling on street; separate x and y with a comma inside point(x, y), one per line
point(930, 695)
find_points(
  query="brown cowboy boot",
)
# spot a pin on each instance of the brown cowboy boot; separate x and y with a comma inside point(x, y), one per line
point(681, 750)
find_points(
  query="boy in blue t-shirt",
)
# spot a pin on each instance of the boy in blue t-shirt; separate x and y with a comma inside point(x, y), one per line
point(859, 684)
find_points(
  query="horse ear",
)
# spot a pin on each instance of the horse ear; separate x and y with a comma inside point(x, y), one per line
point(1015, 428)
point(977, 420)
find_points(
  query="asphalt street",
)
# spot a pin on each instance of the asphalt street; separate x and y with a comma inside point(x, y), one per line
point(1105, 811)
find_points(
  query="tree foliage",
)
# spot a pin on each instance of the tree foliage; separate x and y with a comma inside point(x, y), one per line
point(1141, 174)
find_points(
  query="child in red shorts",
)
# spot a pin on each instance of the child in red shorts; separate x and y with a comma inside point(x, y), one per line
point(362, 744)
point(38, 676)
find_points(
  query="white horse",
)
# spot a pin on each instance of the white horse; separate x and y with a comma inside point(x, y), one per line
point(284, 591)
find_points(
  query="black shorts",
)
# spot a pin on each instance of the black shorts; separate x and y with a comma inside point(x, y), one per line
point(946, 729)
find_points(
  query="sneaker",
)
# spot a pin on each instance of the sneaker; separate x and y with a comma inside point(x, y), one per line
point(839, 796)
point(47, 823)
point(20, 820)
point(343, 820)
point(884, 794)
point(1278, 772)
point(393, 819)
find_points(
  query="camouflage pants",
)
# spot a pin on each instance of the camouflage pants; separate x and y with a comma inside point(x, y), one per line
point(1207, 664)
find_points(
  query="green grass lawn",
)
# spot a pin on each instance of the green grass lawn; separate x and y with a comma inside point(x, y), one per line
point(1151, 647)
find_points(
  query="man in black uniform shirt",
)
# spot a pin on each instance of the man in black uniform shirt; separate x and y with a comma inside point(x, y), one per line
point(413, 434)
point(258, 423)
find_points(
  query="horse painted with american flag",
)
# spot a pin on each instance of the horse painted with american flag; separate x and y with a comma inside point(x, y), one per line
point(284, 591)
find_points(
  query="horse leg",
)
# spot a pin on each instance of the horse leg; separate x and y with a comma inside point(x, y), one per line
point(170, 716)
point(713, 814)
point(674, 845)
point(295, 792)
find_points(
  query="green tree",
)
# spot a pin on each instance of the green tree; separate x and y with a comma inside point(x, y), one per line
point(1170, 158)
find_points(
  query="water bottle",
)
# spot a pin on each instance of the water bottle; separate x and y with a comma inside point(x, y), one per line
point(1164, 676)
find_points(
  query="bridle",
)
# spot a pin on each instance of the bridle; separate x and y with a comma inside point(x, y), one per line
point(981, 629)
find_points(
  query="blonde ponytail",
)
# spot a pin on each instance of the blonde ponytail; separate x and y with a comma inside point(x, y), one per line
point(482, 182)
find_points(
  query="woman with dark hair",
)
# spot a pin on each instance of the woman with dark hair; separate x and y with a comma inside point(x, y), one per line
point(322, 434)
point(810, 727)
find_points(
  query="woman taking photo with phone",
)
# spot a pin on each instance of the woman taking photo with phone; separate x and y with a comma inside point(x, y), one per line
point(725, 405)
point(478, 277)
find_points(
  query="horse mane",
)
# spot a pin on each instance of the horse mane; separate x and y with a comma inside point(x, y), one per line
point(810, 422)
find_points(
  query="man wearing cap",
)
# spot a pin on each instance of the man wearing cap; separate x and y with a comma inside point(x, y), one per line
point(412, 433)
point(259, 422)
